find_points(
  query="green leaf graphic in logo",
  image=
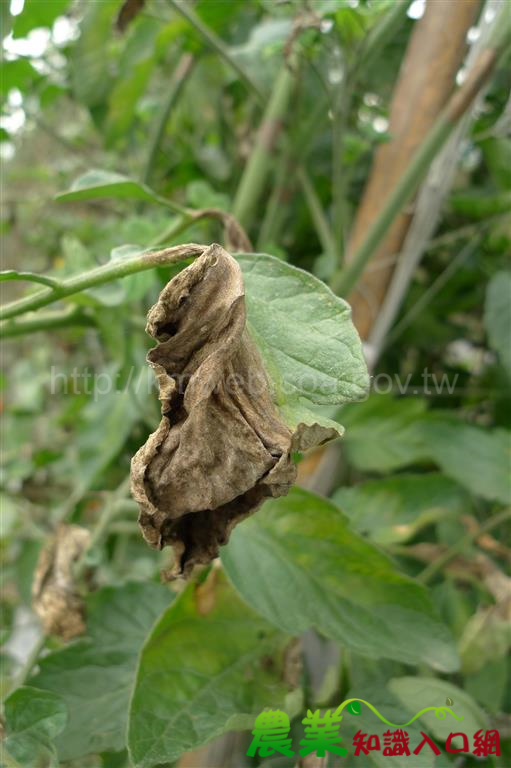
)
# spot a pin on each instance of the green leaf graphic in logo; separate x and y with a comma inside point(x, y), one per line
point(354, 708)
point(449, 701)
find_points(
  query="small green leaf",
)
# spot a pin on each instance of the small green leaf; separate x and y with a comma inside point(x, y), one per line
point(97, 184)
point(300, 565)
point(497, 317)
point(202, 675)
point(95, 675)
point(354, 708)
point(33, 719)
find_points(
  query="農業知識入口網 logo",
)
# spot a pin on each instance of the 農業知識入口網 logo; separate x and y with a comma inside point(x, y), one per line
point(321, 735)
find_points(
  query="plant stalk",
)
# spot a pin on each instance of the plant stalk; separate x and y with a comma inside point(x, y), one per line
point(180, 76)
point(100, 275)
point(261, 158)
point(216, 43)
point(344, 281)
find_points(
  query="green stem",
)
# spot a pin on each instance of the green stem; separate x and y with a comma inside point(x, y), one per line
point(273, 213)
point(216, 43)
point(339, 185)
point(433, 568)
point(102, 526)
point(380, 35)
point(30, 662)
point(100, 275)
point(319, 219)
point(31, 277)
point(46, 321)
point(344, 281)
point(261, 158)
point(180, 76)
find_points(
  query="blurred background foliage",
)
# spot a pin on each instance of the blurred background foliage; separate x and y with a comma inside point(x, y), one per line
point(171, 95)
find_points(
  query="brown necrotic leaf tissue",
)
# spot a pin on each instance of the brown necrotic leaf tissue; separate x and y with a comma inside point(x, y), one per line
point(221, 447)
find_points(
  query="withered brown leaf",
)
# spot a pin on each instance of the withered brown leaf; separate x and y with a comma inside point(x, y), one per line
point(54, 594)
point(221, 447)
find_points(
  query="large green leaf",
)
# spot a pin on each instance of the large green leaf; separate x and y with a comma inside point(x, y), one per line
point(94, 676)
point(300, 565)
point(33, 719)
point(99, 184)
point(497, 316)
point(417, 693)
point(201, 675)
point(393, 509)
point(37, 14)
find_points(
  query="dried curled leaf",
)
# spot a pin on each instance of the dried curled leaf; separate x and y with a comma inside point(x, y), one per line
point(54, 595)
point(221, 447)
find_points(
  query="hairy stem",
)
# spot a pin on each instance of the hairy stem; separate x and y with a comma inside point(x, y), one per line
point(100, 275)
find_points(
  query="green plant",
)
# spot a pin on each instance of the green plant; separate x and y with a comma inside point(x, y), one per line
point(256, 125)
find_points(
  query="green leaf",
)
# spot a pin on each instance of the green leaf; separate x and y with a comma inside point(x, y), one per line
point(497, 155)
point(300, 565)
point(477, 458)
point(97, 184)
point(393, 710)
point(497, 317)
point(417, 693)
point(384, 434)
point(488, 684)
point(37, 14)
point(395, 508)
point(202, 675)
point(479, 206)
point(305, 333)
point(95, 675)
point(33, 719)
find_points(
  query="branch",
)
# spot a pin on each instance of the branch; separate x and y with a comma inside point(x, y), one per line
point(31, 277)
point(179, 78)
point(46, 321)
point(425, 84)
point(344, 281)
point(100, 275)
point(261, 158)
point(216, 43)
